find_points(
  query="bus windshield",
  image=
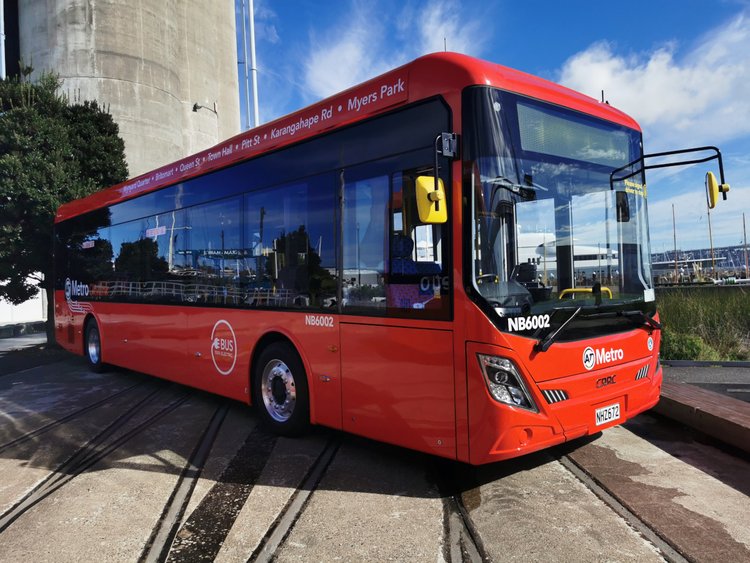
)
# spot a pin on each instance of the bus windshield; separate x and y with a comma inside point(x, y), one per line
point(547, 231)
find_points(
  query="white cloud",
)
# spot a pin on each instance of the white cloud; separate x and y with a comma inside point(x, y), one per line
point(341, 57)
point(440, 24)
point(265, 28)
point(702, 97)
point(368, 41)
point(682, 99)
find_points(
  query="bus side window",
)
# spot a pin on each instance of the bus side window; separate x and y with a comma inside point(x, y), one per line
point(365, 240)
point(214, 240)
point(290, 258)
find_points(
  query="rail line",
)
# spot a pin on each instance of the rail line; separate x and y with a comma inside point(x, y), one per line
point(282, 526)
point(96, 449)
point(461, 541)
point(73, 415)
point(159, 544)
point(200, 536)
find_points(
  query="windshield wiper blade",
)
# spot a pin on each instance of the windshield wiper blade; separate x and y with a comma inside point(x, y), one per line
point(510, 185)
point(635, 315)
point(643, 317)
point(544, 344)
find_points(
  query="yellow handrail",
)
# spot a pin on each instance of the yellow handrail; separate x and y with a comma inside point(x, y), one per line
point(572, 290)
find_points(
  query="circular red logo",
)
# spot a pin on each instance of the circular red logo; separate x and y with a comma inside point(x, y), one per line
point(223, 347)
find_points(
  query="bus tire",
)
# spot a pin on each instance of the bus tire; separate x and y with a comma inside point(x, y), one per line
point(280, 390)
point(92, 347)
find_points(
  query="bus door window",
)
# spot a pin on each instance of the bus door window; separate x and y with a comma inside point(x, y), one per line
point(416, 282)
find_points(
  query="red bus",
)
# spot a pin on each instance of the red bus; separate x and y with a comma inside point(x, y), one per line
point(438, 258)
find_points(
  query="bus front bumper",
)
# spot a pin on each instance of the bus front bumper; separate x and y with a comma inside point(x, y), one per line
point(498, 431)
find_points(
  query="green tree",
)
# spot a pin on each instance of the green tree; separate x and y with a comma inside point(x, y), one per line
point(51, 152)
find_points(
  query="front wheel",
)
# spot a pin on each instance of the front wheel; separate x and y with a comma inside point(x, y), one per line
point(92, 347)
point(280, 390)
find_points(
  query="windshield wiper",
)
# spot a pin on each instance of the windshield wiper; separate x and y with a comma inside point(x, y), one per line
point(511, 186)
point(643, 317)
point(639, 316)
point(544, 344)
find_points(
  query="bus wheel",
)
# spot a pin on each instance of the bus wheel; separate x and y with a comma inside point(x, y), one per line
point(93, 347)
point(280, 390)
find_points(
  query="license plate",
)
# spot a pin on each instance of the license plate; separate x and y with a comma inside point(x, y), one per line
point(607, 414)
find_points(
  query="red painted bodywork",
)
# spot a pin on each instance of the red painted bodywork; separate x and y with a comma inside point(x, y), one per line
point(412, 383)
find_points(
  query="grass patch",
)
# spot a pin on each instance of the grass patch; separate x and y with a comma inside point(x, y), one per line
point(705, 323)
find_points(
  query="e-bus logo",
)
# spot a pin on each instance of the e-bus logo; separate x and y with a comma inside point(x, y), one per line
point(74, 288)
point(593, 357)
point(223, 347)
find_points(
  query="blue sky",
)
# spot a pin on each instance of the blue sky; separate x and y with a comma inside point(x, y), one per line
point(680, 68)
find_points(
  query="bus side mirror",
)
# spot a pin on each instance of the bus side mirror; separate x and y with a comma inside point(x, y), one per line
point(713, 188)
point(623, 207)
point(431, 203)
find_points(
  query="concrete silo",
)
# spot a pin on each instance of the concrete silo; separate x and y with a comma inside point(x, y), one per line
point(149, 61)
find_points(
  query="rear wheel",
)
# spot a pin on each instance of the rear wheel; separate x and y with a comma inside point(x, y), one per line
point(92, 347)
point(280, 390)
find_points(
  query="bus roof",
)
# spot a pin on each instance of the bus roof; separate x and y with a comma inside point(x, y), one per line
point(445, 74)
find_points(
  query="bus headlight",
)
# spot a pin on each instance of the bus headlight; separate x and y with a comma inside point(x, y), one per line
point(505, 383)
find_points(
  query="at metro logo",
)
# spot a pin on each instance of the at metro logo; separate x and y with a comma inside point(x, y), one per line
point(593, 357)
point(75, 288)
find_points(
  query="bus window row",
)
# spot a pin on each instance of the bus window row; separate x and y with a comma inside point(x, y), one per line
point(276, 248)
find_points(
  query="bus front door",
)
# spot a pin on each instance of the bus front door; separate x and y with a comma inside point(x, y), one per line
point(397, 386)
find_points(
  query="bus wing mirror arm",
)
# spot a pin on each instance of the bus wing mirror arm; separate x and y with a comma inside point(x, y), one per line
point(643, 166)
